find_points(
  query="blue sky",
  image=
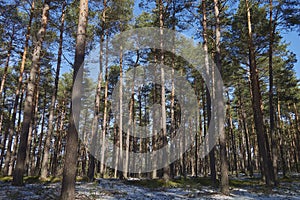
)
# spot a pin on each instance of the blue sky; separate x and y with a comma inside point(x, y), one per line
point(294, 39)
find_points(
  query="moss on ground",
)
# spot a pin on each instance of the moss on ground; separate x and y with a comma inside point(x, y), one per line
point(195, 183)
point(6, 178)
point(245, 182)
point(174, 183)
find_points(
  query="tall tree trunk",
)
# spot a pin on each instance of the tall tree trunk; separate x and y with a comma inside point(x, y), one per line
point(45, 161)
point(208, 98)
point(166, 170)
point(69, 173)
point(154, 131)
point(20, 165)
point(271, 92)
point(11, 128)
point(104, 124)
point(120, 125)
point(257, 102)
point(10, 135)
point(220, 106)
point(34, 121)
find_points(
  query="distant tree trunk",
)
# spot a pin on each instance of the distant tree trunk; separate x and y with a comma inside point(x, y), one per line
point(3, 144)
point(204, 101)
point(20, 165)
point(142, 141)
point(59, 136)
point(31, 155)
point(256, 102)
point(172, 129)
point(130, 120)
point(39, 152)
point(10, 48)
point(91, 167)
point(281, 142)
point(33, 121)
point(120, 125)
point(69, 173)
point(294, 138)
point(115, 150)
point(16, 140)
point(246, 131)
point(45, 161)
point(297, 128)
point(233, 139)
point(154, 131)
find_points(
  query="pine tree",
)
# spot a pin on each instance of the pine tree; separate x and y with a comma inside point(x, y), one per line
point(69, 174)
point(20, 165)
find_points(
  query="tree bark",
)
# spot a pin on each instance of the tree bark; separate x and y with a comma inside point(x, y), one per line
point(11, 128)
point(20, 165)
point(10, 134)
point(220, 105)
point(257, 102)
point(208, 98)
point(271, 92)
point(69, 173)
point(104, 124)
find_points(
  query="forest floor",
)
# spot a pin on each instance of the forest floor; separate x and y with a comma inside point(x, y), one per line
point(241, 187)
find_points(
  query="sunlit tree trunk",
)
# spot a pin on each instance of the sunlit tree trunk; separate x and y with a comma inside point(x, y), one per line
point(219, 106)
point(20, 165)
point(166, 170)
point(11, 128)
point(256, 102)
point(69, 173)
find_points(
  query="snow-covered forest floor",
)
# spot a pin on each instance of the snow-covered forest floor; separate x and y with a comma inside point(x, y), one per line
point(240, 188)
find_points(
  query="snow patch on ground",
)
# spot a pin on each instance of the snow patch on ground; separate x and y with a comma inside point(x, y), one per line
point(111, 189)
